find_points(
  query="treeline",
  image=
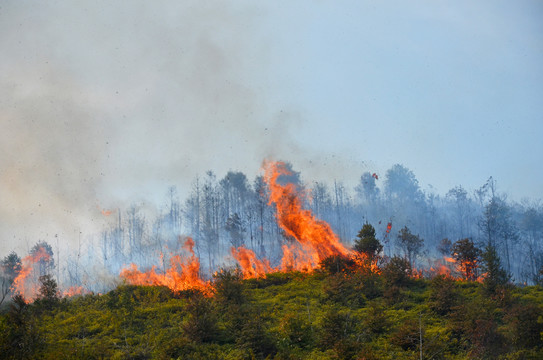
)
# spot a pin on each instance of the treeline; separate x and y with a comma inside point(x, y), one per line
point(231, 211)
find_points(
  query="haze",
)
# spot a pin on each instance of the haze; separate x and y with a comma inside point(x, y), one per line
point(107, 103)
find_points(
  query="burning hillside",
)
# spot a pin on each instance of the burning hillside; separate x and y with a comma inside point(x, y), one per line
point(310, 241)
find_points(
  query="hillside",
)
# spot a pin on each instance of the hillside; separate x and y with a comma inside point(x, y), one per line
point(345, 314)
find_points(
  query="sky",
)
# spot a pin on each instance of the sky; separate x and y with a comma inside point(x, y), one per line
point(108, 103)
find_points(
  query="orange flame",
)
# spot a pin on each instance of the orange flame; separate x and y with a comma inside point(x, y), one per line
point(314, 238)
point(251, 267)
point(21, 285)
point(183, 274)
point(73, 291)
point(106, 212)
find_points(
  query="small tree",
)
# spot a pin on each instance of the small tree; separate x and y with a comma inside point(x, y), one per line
point(496, 277)
point(366, 243)
point(48, 294)
point(201, 325)
point(467, 256)
point(397, 271)
point(443, 296)
point(412, 244)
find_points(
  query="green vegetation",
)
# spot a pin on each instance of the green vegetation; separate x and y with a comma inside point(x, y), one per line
point(323, 315)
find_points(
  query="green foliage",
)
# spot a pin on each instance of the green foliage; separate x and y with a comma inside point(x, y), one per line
point(366, 242)
point(20, 338)
point(363, 316)
point(496, 278)
point(344, 290)
point(396, 271)
point(48, 295)
point(337, 330)
point(201, 325)
point(296, 331)
point(229, 287)
point(443, 295)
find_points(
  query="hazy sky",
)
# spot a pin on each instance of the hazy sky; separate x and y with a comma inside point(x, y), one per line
point(103, 103)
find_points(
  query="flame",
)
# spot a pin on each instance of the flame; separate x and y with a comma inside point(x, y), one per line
point(183, 273)
point(106, 212)
point(73, 291)
point(21, 285)
point(459, 271)
point(389, 227)
point(251, 267)
point(314, 238)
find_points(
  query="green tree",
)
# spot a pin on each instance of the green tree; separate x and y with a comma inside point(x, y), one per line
point(201, 325)
point(366, 243)
point(21, 339)
point(467, 256)
point(48, 295)
point(397, 271)
point(337, 331)
point(443, 295)
point(496, 278)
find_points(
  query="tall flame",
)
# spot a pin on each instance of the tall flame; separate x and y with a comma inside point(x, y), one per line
point(314, 238)
point(21, 284)
point(183, 273)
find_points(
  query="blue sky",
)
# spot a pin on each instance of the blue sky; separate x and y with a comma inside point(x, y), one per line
point(107, 103)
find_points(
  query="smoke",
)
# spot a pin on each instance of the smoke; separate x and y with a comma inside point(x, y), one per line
point(108, 103)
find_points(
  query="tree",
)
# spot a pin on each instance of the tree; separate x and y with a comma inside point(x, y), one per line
point(462, 206)
point(531, 225)
point(48, 295)
point(443, 295)
point(444, 247)
point(496, 278)
point(21, 340)
point(367, 188)
point(401, 183)
point(46, 263)
point(235, 228)
point(498, 227)
point(201, 325)
point(467, 256)
point(9, 268)
point(336, 332)
point(411, 244)
point(397, 271)
point(366, 243)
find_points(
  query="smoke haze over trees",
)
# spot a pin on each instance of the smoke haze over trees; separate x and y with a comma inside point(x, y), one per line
point(233, 211)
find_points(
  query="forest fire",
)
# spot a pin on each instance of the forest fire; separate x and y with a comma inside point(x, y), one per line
point(183, 273)
point(312, 239)
point(315, 237)
point(74, 291)
point(251, 267)
point(23, 284)
point(309, 242)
